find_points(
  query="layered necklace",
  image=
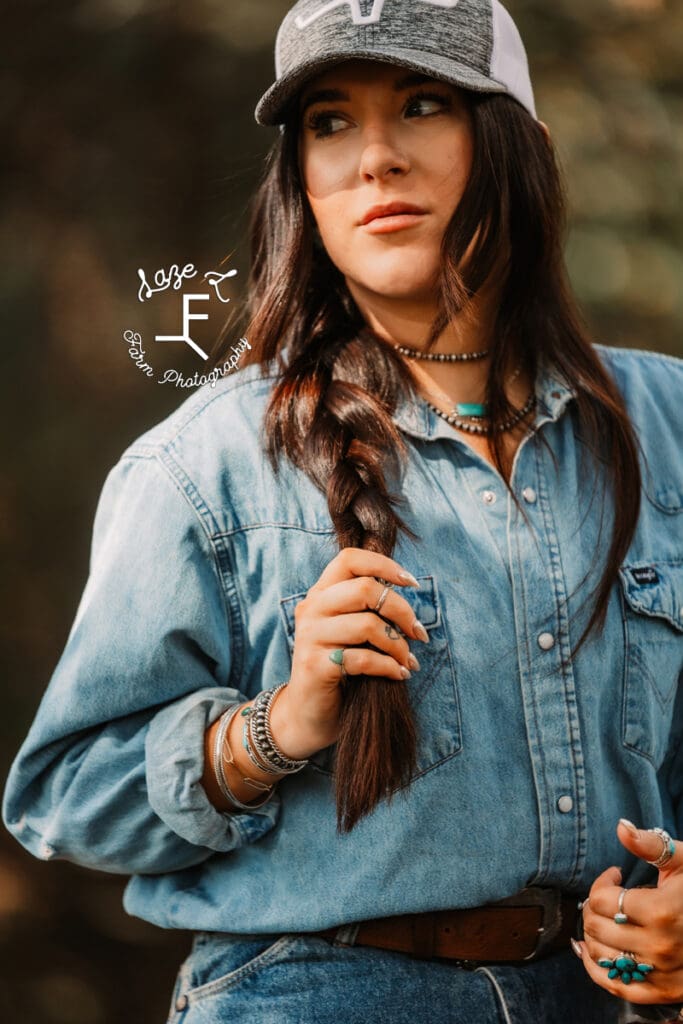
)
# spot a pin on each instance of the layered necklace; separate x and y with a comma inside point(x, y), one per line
point(467, 416)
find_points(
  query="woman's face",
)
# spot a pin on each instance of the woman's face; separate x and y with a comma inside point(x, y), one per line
point(375, 134)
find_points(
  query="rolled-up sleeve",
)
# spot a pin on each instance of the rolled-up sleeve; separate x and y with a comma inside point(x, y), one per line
point(109, 775)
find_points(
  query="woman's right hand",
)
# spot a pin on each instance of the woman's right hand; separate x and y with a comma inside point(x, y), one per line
point(337, 612)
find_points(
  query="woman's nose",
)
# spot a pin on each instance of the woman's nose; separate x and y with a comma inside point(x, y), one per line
point(382, 156)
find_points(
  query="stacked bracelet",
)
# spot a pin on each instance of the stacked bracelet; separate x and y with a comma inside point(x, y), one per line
point(262, 750)
point(221, 742)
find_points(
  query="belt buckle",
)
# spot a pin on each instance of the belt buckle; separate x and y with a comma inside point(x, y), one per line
point(550, 902)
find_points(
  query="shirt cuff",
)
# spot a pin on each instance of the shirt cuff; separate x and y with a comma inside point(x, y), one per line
point(174, 753)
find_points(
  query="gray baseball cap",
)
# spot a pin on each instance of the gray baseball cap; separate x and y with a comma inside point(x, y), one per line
point(471, 43)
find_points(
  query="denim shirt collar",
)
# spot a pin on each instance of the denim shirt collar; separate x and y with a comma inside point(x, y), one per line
point(416, 417)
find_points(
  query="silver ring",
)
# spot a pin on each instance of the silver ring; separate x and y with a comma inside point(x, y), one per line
point(668, 848)
point(621, 917)
point(382, 597)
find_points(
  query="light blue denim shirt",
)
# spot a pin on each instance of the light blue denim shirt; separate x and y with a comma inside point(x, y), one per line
point(199, 557)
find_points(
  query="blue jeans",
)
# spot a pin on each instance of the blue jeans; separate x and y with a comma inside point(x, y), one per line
point(303, 979)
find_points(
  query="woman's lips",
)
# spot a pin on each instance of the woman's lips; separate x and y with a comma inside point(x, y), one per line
point(382, 225)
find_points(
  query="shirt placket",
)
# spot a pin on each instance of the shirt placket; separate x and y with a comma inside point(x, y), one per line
point(545, 671)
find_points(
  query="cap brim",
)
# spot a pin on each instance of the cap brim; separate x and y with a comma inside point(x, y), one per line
point(273, 107)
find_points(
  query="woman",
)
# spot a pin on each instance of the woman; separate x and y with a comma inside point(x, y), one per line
point(373, 760)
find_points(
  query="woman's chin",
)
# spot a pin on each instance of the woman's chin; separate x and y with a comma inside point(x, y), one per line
point(392, 288)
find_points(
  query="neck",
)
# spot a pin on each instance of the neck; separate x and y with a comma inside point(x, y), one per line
point(408, 322)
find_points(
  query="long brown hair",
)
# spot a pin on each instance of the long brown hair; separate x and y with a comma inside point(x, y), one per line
point(330, 411)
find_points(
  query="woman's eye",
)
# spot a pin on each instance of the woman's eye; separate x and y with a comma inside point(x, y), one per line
point(323, 123)
point(426, 104)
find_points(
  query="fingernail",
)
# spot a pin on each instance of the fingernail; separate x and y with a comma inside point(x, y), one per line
point(420, 632)
point(629, 825)
point(413, 662)
point(408, 577)
point(405, 674)
point(577, 948)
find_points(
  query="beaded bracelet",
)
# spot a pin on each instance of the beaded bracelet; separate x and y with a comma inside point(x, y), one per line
point(263, 751)
point(262, 738)
point(219, 770)
point(247, 743)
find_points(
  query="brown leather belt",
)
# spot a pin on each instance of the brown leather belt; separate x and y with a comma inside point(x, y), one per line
point(528, 926)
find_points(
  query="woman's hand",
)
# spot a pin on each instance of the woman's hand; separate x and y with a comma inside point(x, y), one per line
point(653, 932)
point(337, 613)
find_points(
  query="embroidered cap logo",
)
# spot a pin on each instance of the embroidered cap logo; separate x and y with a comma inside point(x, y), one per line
point(357, 15)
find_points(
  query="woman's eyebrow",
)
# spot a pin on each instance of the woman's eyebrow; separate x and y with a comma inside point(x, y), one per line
point(330, 95)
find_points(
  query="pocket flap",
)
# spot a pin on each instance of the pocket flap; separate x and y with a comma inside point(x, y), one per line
point(655, 588)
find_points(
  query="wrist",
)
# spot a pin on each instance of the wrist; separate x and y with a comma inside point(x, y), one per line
point(289, 733)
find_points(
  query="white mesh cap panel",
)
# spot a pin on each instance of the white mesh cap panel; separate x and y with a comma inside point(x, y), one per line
point(509, 63)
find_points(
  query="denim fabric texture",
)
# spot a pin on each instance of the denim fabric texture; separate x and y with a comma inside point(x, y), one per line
point(527, 758)
point(301, 979)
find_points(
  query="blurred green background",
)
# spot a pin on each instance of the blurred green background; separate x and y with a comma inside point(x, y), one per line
point(129, 142)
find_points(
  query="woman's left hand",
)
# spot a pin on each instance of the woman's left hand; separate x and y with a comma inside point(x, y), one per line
point(653, 933)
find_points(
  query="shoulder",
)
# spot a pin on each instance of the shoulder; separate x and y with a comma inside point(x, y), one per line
point(215, 410)
point(650, 382)
point(652, 387)
point(210, 448)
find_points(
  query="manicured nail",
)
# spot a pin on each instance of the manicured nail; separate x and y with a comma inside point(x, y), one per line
point(577, 948)
point(420, 632)
point(405, 674)
point(408, 577)
point(413, 662)
point(629, 825)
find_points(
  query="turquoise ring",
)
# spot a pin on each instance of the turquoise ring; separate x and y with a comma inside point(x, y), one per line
point(626, 968)
point(620, 917)
point(338, 658)
point(668, 848)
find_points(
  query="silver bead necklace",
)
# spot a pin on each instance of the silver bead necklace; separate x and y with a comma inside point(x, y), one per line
point(442, 357)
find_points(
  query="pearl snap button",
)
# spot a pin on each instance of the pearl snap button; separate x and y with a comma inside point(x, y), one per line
point(529, 494)
point(565, 804)
point(546, 641)
point(181, 1003)
point(488, 497)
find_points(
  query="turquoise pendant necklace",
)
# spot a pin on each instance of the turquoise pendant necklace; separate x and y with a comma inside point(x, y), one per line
point(468, 410)
point(473, 410)
point(467, 416)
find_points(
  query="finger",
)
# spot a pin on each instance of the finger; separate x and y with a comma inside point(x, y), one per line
point(363, 593)
point(605, 951)
point(608, 882)
point(362, 661)
point(352, 562)
point(641, 992)
point(649, 845)
point(359, 628)
point(598, 928)
point(640, 904)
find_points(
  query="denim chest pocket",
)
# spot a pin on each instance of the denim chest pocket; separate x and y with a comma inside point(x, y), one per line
point(432, 688)
point(652, 609)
